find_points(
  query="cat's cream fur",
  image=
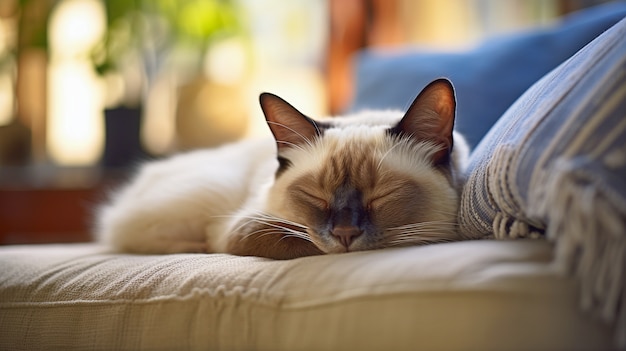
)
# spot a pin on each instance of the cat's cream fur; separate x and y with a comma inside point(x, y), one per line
point(351, 186)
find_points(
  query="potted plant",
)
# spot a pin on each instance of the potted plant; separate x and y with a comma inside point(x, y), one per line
point(144, 38)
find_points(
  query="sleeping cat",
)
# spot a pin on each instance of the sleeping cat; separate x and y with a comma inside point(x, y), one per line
point(366, 181)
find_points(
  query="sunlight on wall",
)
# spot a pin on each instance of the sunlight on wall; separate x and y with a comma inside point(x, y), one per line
point(6, 99)
point(301, 87)
point(158, 129)
point(75, 131)
point(459, 25)
point(288, 41)
point(226, 62)
point(7, 93)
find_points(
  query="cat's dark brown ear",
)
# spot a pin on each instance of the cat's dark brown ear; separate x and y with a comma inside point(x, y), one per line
point(431, 117)
point(290, 127)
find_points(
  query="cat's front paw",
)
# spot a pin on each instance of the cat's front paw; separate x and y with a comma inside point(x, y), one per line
point(270, 240)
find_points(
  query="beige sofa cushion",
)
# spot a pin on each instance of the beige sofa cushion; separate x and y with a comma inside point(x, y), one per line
point(475, 295)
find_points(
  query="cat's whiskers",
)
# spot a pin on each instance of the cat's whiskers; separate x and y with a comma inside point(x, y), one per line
point(282, 231)
point(416, 241)
point(260, 233)
point(420, 237)
point(305, 139)
point(274, 222)
point(420, 233)
point(274, 225)
point(380, 162)
point(260, 217)
point(240, 224)
point(431, 232)
point(425, 224)
point(304, 237)
point(282, 220)
point(291, 144)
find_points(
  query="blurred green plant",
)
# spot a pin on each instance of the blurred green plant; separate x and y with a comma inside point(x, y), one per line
point(33, 22)
point(151, 27)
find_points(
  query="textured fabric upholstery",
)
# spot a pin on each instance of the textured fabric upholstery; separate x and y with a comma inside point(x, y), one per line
point(476, 295)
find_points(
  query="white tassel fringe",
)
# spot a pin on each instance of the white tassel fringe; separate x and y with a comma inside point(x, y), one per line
point(589, 230)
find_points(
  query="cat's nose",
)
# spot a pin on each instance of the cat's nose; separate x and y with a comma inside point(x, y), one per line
point(346, 234)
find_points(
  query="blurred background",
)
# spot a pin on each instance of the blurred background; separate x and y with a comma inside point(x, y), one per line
point(89, 87)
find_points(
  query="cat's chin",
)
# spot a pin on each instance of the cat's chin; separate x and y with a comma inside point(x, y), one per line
point(338, 248)
point(342, 250)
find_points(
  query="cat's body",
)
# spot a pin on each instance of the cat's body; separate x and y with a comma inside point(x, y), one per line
point(361, 182)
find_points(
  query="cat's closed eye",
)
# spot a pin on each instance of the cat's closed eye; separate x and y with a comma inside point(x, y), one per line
point(391, 201)
point(310, 198)
point(379, 200)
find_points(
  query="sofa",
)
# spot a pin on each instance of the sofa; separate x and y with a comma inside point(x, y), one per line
point(544, 266)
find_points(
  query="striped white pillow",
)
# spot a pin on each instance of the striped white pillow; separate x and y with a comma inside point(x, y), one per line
point(555, 165)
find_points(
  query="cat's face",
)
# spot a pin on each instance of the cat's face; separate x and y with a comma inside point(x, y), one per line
point(356, 198)
point(367, 181)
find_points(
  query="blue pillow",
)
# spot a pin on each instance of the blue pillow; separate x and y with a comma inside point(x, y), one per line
point(487, 79)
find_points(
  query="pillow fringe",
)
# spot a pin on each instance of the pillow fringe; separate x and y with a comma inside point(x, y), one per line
point(589, 230)
point(509, 227)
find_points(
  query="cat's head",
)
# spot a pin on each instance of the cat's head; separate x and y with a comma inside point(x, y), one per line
point(371, 180)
